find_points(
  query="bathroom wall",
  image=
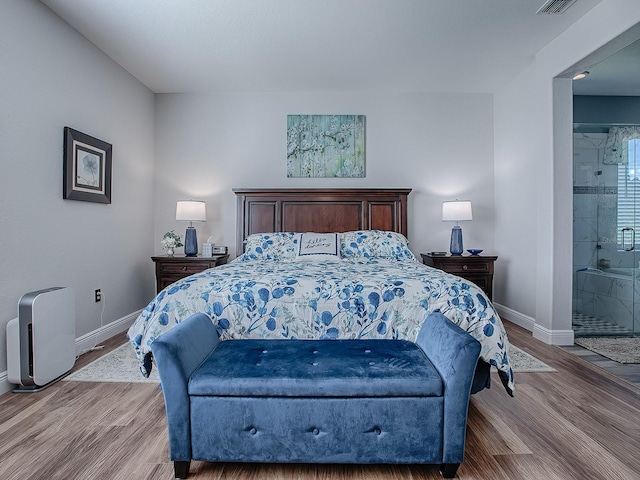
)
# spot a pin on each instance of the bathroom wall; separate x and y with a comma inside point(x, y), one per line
point(606, 109)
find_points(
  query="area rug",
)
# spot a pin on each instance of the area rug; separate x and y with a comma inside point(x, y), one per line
point(521, 361)
point(620, 349)
point(121, 365)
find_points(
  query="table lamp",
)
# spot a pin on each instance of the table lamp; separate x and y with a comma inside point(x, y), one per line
point(456, 211)
point(191, 211)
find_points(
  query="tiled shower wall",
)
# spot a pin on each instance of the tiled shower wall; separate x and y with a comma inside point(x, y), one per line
point(595, 191)
point(595, 194)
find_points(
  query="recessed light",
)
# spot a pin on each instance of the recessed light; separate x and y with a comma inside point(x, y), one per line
point(580, 76)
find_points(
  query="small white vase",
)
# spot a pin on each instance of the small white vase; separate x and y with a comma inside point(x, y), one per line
point(170, 252)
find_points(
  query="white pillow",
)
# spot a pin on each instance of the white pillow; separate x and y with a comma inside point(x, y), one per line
point(317, 246)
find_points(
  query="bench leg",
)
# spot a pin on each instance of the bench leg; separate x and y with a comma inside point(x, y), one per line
point(448, 470)
point(181, 469)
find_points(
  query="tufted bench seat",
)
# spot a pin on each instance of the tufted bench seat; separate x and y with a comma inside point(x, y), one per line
point(316, 401)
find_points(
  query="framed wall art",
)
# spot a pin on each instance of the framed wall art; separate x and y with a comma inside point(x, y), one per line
point(325, 146)
point(86, 168)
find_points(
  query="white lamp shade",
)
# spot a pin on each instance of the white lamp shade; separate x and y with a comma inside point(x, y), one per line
point(191, 211)
point(456, 211)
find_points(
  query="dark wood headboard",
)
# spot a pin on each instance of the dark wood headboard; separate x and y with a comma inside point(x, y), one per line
point(319, 210)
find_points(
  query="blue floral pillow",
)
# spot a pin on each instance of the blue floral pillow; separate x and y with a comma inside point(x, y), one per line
point(270, 246)
point(375, 243)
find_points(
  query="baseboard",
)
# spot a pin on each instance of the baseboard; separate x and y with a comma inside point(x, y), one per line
point(91, 339)
point(553, 337)
point(5, 386)
point(516, 317)
point(85, 342)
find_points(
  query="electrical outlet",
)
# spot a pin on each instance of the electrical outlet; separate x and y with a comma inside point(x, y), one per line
point(98, 294)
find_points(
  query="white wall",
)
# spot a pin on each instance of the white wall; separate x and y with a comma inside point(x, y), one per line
point(51, 77)
point(515, 195)
point(550, 160)
point(440, 145)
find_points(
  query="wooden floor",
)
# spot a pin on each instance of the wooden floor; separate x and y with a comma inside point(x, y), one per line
point(577, 423)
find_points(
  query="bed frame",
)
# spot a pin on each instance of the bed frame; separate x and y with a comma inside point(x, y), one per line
point(319, 210)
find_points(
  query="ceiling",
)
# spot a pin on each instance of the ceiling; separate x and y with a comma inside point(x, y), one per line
point(617, 75)
point(322, 45)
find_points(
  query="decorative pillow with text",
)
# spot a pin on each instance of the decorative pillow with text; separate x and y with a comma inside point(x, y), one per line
point(317, 246)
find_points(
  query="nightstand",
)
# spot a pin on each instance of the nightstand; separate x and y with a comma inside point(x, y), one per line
point(475, 268)
point(172, 269)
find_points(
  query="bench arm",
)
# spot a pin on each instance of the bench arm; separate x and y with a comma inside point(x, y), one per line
point(177, 353)
point(454, 353)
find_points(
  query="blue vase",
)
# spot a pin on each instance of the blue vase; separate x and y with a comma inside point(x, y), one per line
point(191, 242)
point(456, 241)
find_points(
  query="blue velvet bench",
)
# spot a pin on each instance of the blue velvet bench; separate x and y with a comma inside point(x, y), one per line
point(316, 401)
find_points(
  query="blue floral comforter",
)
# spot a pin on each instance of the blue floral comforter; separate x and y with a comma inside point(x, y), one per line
point(350, 298)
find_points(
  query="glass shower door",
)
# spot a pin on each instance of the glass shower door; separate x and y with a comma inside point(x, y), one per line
point(623, 150)
point(632, 246)
point(606, 230)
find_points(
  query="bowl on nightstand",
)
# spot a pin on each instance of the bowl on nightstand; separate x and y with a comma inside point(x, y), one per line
point(475, 251)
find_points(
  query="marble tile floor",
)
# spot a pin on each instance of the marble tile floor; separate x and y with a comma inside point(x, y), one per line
point(587, 326)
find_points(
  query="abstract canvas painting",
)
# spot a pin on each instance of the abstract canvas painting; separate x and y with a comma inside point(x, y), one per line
point(325, 146)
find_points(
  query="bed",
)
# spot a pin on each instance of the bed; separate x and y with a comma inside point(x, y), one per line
point(354, 277)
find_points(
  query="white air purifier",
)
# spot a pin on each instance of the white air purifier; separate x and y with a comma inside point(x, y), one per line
point(41, 345)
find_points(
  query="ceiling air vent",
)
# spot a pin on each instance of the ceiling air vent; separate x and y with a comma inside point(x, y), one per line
point(555, 7)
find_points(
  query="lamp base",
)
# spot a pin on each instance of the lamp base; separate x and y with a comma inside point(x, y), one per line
point(456, 241)
point(191, 242)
